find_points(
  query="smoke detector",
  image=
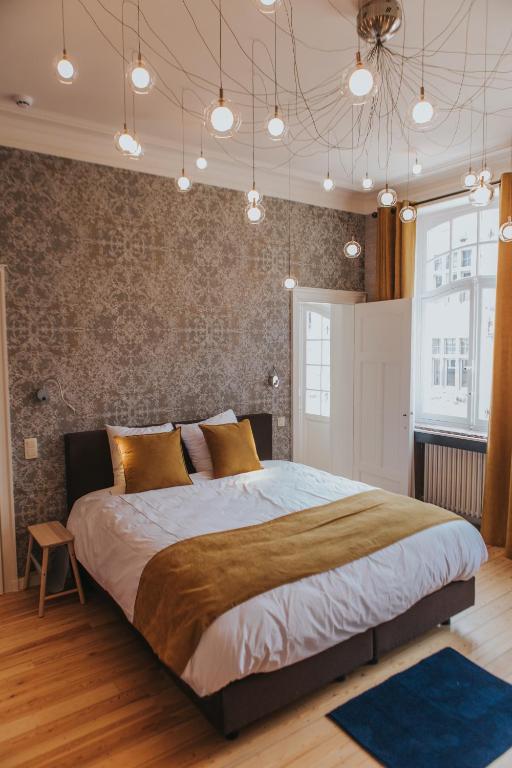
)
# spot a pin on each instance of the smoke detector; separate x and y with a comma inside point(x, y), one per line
point(23, 102)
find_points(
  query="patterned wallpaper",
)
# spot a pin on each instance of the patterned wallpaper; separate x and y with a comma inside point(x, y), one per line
point(148, 305)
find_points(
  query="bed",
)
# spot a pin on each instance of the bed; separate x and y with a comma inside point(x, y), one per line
point(277, 646)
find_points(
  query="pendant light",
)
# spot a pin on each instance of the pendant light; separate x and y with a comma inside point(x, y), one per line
point(469, 178)
point(506, 231)
point(275, 124)
point(290, 282)
point(183, 182)
point(201, 161)
point(422, 110)
point(221, 118)
point(125, 141)
point(139, 73)
point(359, 82)
point(65, 68)
point(367, 182)
point(417, 168)
point(352, 249)
point(408, 211)
point(328, 184)
point(387, 197)
point(254, 211)
point(267, 6)
point(483, 192)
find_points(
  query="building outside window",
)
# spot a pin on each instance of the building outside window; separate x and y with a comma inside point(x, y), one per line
point(456, 257)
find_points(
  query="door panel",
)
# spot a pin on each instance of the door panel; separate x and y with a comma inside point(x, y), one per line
point(383, 424)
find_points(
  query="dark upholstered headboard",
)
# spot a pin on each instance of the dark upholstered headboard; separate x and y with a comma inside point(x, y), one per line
point(89, 466)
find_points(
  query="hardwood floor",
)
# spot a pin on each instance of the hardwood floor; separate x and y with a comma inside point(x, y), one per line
point(80, 688)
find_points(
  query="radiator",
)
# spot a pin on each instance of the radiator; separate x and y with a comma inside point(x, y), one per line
point(454, 479)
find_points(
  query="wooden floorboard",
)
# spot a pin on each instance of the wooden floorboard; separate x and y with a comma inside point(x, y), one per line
point(80, 688)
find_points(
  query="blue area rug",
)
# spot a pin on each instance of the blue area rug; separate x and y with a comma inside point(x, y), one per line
point(444, 712)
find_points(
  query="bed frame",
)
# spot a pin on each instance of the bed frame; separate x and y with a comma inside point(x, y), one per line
point(89, 468)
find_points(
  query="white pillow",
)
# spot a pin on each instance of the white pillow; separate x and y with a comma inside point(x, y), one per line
point(115, 453)
point(196, 444)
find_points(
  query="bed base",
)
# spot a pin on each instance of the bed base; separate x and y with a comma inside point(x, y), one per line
point(244, 701)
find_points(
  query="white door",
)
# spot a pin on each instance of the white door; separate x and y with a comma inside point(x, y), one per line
point(323, 379)
point(383, 419)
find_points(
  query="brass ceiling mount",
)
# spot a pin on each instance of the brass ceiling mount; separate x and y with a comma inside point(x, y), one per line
point(379, 20)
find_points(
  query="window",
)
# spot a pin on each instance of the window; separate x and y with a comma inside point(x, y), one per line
point(456, 256)
point(318, 363)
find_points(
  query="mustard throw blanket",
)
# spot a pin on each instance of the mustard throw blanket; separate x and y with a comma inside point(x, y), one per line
point(187, 585)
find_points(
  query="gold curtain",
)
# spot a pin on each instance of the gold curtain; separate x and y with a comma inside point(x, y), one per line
point(497, 509)
point(396, 244)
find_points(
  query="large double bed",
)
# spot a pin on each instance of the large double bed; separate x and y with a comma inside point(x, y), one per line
point(276, 646)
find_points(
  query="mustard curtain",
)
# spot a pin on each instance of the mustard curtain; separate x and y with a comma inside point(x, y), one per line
point(497, 509)
point(396, 243)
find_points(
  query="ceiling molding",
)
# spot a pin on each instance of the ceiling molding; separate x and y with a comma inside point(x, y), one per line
point(53, 134)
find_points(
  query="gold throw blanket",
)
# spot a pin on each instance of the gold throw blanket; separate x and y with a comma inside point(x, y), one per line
point(187, 585)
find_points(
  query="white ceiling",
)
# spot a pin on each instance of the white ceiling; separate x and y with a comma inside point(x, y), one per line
point(80, 120)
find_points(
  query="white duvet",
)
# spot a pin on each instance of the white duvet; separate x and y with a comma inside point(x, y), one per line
point(115, 536)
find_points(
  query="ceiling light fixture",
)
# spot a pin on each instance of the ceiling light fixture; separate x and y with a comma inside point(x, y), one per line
point(367, 183)
point(359, 83)
point(201, 162)
point(387, 197)
point(125, 141)
point(267, 6)
point(417, 168)
point(328, 184)
point(379, 20)
point(255, 212)
point(352, 249)
point(408, 211)
point(221, 118)
point(275, 123)
point(422, 111)
point(506, 231)
point(183, 182)
point(482, 194)
point(139, 73)
point(65, 67)
point(290, 282)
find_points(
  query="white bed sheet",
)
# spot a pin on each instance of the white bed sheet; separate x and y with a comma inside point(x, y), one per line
point(116, 535)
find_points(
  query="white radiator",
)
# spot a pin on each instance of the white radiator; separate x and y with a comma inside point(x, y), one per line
point(454, 479)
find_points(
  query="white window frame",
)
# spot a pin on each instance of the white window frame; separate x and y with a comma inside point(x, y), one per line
point(475, 286)
point(324, 311)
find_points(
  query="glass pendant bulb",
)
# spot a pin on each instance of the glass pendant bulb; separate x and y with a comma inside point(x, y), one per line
point(328, 183)
point(481, 195)
point(267, 6)
point(359, 82)
point(422, 112)
point(275, 125)
point(506, 231)
point(255, 213)
point(201, 162)
point(485, 174)
point(416, 168)
point(253, 196)
point(138, 151)
point(65, 69)
point(183, 182)
point(407, 213)
point(387, 197)
point(140, 75)
point(367, 183)
point(125, 142)
point(352, 249)
point(469, 179)
point(221, 118)
point(290, 283)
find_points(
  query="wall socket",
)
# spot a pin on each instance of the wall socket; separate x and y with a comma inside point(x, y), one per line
point(281, 421)
point(31, 451)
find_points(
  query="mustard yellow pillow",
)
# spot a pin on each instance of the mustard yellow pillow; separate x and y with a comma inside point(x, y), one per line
point(153, 461)
point(232, 448)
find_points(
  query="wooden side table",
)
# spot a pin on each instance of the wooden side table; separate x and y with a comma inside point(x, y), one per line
point(49, 536)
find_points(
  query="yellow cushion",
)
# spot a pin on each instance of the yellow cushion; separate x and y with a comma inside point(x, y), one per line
point(153, 461)
point(232, 448)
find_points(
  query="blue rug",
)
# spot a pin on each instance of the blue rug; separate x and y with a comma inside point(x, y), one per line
point(444, 712)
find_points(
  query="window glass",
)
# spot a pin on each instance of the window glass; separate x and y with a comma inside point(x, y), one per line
point(317, 369)
point(464, 229)
point(488, 259)
point(489, 224)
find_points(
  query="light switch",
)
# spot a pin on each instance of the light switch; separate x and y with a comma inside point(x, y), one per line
point(281, 421)
point(31, 448)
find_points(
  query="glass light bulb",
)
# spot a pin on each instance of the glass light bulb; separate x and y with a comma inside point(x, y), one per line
point(289, 283)
point(138, 151)
point(328, 184)
point(267, 6)
point(481, 195)
point(255, 213)
point(65, 69)
point(407, 214)
point(417, 168)
point(140, 75)
point(469, 179)
point(221, 118)
point(201, 163)
point(183, 182)
point(485, 174)
point(367, 183)
point(276, 127)
point(422, 111)
point(506, 231)
point(386, 198)
point(253, 196)
point(359, 82)
point(352, 249)
point(125, 142)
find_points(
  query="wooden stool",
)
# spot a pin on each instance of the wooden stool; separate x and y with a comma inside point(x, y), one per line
point(49, 536)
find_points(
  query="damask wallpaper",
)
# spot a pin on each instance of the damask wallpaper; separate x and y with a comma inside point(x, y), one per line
point(146, 304)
